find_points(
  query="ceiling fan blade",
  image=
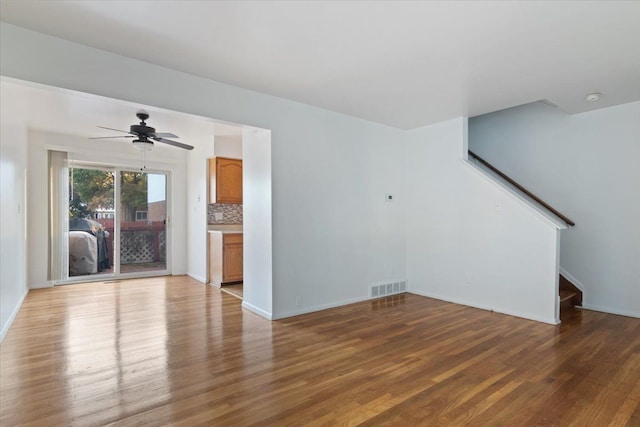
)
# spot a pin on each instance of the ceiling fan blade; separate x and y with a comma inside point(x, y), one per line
point(117, 130)
point(106, 137)
point(174, 143)
point(165, 135)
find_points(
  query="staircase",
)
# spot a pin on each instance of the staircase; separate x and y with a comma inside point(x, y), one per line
point(570, 295)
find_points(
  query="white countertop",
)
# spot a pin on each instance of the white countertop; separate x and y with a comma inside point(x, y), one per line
point(226, 231)
point(225, 228)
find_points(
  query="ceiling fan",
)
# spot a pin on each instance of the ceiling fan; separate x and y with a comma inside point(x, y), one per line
point(145, 135)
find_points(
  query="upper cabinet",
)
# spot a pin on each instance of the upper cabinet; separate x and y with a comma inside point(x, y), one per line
point(225, 180)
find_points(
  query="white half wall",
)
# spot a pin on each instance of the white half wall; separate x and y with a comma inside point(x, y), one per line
point(469, 240)
point(586, 166)
point(13, 230)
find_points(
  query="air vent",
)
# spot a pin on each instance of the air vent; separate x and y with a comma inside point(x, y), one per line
point(390, 288)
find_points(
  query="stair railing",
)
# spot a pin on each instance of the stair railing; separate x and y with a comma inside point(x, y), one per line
point(521, 188)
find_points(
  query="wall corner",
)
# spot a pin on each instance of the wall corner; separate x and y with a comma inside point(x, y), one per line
point(464, 155)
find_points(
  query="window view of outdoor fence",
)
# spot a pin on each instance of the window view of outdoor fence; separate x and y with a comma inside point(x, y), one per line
point(142, 219)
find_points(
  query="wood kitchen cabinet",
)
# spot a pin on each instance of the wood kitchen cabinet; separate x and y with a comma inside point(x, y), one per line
point(225, 257)
point(225, 180)
point(231, 257)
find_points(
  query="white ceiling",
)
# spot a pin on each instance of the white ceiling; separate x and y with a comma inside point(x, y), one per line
point(405, 64)
point(74, 113)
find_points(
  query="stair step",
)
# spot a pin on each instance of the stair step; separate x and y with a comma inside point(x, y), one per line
point(567, 295)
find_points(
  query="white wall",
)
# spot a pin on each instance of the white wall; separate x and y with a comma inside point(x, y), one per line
point(333, 230)
point(468, 239)
point(586, 166)
point(258, 243)
point(13, 235)
point(197, 198)
point(228, 146)
point(333, 233)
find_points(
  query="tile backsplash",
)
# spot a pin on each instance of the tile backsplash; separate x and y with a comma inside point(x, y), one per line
point(231, 214)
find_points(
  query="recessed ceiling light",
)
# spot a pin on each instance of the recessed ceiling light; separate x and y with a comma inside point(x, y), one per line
point(593, 97)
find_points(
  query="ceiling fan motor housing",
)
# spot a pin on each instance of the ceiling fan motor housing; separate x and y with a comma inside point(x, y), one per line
point(142, 129)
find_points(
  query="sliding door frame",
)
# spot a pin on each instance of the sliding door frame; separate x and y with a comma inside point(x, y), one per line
point(117, 228)
point(116, 274)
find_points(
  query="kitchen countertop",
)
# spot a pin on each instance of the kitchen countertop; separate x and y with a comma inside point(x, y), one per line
point(224, 229)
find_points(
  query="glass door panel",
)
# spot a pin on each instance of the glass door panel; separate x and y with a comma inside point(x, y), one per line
point(142, 219)
point(91, 221)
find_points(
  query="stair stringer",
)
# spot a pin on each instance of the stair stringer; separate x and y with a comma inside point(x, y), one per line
point(572, 279)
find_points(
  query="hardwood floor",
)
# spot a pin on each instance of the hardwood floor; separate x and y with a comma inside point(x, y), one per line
point(165, 351)
point(236, 289)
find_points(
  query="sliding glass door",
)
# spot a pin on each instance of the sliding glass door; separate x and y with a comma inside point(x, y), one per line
point(142, 219)
point(111, 223)
point(91, 221)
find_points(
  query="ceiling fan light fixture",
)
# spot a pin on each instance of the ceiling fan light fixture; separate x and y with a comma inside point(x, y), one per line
point(143, 145)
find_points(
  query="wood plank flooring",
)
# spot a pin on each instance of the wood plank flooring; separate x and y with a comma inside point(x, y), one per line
point(171, 351)
point(236, 289)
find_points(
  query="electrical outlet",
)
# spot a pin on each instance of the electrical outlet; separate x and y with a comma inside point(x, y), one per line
point(219, 216)
point(298, 300)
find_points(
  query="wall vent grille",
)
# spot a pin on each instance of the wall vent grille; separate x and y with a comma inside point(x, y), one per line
point(391, 288)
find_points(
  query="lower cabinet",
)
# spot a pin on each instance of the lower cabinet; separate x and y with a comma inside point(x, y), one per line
point(231, 258)
point(225, 257)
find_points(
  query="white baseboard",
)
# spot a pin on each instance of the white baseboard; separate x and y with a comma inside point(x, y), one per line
point(608, 310)
point(12, 316)
point(197, 277)
point(260, 312)
point(595, 307)
point(551, 321)
point(572, 279)
point(307, 310)
point(45, 285)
